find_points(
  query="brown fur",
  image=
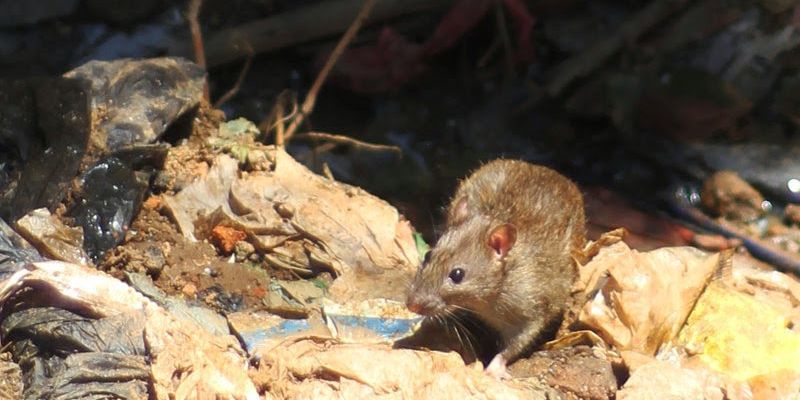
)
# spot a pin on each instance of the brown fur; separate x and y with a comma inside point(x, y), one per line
point(520, 293)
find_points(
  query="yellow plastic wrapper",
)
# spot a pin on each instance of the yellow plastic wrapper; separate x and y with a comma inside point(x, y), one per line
point(737, 334)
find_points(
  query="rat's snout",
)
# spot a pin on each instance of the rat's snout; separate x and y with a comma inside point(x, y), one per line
point(422, 304)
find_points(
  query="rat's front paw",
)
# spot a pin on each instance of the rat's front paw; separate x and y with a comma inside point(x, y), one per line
point(497, 368)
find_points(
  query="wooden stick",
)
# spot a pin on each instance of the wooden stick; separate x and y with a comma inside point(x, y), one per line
point(311, 97)
point(346, 140)
point(279, 126)
point(197, 39)
point(236, 86)
point(277, 117)
point(301, 25)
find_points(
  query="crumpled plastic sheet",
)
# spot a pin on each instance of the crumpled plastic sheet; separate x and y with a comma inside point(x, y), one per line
point(14, 250)
point(134, 101)
point(181, 359)
point(111, 193)
point(646, 297)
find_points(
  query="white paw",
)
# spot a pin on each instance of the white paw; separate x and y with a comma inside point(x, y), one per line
point(497, 368)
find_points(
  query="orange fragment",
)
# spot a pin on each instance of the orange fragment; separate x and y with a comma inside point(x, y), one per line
point(259, 292)
point(152, 203)
point(225, 237)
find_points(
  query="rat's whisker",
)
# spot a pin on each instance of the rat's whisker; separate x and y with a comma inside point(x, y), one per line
point(467, 334)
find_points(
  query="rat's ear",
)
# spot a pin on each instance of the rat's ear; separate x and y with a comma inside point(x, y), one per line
point(459, 211)
point(502, 239)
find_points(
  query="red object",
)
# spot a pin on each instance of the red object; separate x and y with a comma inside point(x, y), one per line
point(394, 61)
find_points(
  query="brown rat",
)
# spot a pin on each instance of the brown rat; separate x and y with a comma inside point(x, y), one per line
point(507, 254)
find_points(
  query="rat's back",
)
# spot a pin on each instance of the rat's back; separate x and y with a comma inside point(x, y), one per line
point(535, 198)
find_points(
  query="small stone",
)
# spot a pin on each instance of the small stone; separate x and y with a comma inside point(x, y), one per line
point(189, 290)
point(155, 260)
point(163, 181)
point(243, 250)
point(257, 160)
point(211, 271)
point(285, 210)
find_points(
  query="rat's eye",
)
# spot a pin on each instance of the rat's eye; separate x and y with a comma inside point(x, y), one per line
point(456, 275)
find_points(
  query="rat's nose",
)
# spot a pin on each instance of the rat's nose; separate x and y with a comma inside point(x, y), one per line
point(414, 306)
point(418, 304)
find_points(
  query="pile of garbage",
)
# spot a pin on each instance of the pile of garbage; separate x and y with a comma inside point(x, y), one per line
point(220, 267)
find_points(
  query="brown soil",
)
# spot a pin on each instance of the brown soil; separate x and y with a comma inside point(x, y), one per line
point(179, 267)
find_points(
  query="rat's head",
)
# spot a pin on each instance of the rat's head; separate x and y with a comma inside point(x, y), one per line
point(464, 269)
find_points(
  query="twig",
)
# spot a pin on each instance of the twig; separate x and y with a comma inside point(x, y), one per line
point(286, 264)
point(355, 143)
point(311, 98)
point(326, 171)
point(276, 118)
point(319, 150)
point(235, 89)
point(597, 54)
point(197, 39)
point(279, 126)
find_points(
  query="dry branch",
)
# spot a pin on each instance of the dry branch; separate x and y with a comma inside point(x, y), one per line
point(192, 15)
point(311, 97)
point(304, 24)
point(346, 140)
point(596, 55)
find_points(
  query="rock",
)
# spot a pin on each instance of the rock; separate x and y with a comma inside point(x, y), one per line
point(189, 290)
point(244, 251)
point(577, 371)
point(135, 101)
point(155, 260)
point(728, 195)
point(771, 167)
